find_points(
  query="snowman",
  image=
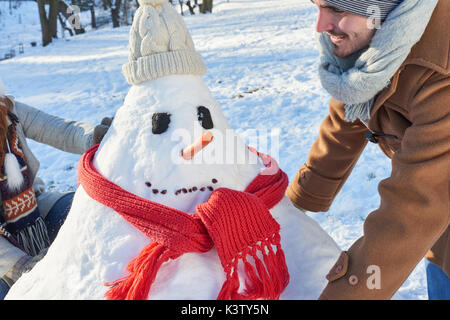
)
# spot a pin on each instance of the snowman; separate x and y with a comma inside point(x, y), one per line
point(172, 204)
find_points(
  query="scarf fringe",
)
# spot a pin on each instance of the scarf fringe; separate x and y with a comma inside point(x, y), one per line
point(359, 111)
point(266, 279)
point(143, 270)
point(34, 237)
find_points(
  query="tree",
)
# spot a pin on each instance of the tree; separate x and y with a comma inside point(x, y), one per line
point(206, 6)
point(115, 10)
point(92, 10)
point(48, 22)
point(126, 7)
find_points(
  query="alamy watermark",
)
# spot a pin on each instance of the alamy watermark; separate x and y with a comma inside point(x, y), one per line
point(74, 19)
point(225, 147)
point(374, 280)
point(374, 20)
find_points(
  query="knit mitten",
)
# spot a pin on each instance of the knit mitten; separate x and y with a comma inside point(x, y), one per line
point(101, 129)
point(241, 226)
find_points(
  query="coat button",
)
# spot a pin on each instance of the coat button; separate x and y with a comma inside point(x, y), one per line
point(338, 269)
point(353, 280)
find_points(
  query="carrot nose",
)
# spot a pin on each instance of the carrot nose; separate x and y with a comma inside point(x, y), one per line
point(189, 152)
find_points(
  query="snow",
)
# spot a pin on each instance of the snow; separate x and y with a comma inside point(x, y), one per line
point(262, 70)
point(80, 263)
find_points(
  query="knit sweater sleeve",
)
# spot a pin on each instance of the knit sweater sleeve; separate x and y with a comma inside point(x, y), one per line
point(66, 135)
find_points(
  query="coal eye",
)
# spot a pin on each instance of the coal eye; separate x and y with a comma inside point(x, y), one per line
point(204, 117)
point(160, 122)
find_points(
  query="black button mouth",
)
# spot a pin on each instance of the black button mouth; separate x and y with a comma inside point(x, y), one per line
point(183, 190)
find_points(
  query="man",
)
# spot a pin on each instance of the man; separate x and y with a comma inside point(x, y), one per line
point(387, 66)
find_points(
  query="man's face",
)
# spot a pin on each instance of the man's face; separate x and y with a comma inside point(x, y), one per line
point(348, 32)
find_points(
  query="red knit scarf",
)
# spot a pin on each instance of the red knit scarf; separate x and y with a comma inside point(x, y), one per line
point(238, 223)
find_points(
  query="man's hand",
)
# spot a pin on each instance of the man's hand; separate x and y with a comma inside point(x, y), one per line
point(101, 129)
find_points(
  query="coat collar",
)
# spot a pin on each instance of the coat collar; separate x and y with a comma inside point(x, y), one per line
point(432, 51)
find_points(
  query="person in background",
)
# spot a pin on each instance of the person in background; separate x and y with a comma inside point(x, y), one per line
point(30, 216)
point(386, 64)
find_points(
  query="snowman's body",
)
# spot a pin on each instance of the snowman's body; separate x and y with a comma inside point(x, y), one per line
point(95, 243)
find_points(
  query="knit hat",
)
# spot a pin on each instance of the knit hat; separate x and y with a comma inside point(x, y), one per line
point(378, 9)
point(160, 44)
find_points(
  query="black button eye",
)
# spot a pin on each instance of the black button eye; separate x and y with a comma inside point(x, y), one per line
point(160, 122)
point(204, 116)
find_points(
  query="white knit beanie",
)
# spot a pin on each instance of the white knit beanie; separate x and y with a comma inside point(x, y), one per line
point(160, 44)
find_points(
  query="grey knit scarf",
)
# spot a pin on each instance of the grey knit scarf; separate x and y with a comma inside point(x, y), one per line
point(357, 79)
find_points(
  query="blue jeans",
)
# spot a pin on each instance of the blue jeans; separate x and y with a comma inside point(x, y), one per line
point(4, 288)
point(54, 220)
point(438, 282)
point(57, 215)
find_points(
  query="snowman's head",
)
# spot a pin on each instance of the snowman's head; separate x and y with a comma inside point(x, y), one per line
point(170, 142)
point(155, 148)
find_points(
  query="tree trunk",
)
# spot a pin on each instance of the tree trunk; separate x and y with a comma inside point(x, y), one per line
point(206, 6)
point(125, 12)
point(115, 10)
point(48, 24)
point(53, 18)
point(46, 37)
point(181, 6)
point(92, 9)
point(191, 8)
point(63, 26)
point(106, 4)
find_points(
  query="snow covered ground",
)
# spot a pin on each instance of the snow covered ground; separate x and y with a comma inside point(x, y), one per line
point(262, 69)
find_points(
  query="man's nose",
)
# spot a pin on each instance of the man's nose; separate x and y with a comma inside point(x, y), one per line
point(325, 22)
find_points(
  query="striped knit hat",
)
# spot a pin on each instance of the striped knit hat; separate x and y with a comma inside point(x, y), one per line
point(378, 9)
point(160, 44)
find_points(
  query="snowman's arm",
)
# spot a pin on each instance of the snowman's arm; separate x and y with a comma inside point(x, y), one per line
point(66, 135)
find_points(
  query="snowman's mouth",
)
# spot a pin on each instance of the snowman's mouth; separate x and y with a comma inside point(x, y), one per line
point(183, 190)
